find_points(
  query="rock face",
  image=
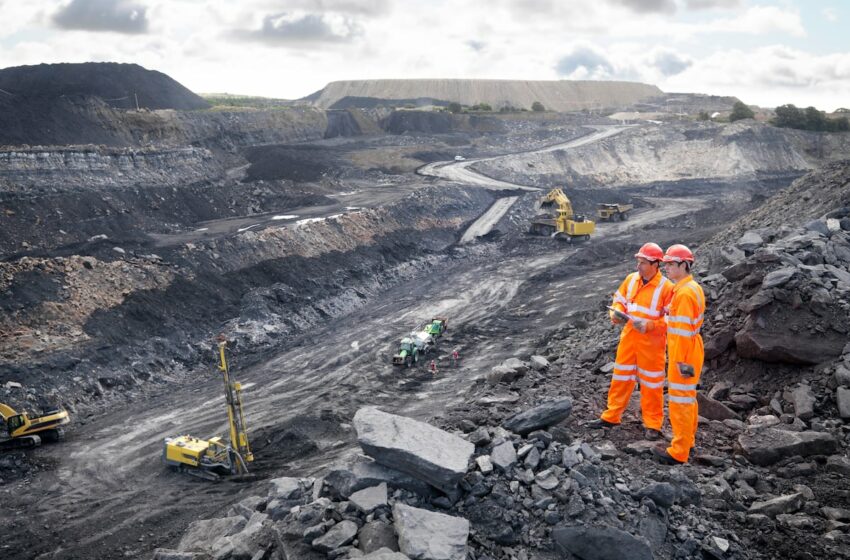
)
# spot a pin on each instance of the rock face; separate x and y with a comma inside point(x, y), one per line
point(421, 450)
point(768, 344)
point(427, 535)
point(769, 445)
point(560, 95)
point(538, 417)
point(600, 543)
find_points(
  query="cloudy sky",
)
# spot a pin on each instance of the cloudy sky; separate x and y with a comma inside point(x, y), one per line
point(765, 52)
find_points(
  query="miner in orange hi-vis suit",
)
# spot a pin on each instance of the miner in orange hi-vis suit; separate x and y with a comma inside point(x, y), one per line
point(640, 304)
point(685, 354)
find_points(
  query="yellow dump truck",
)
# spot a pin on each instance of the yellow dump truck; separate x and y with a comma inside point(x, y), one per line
point(613, 212)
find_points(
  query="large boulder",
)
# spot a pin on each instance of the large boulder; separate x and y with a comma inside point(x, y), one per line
point(600, 543)
point(428, 535)
point(770, 445)
point(541, 416)
point(763, 338)
point(344, 481)
point(421, 450)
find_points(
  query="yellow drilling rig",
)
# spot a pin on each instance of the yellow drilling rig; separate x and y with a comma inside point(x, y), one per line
point(213, 458)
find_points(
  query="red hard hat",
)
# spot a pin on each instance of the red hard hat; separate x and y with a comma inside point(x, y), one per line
point(650, 252)
point(678, 253)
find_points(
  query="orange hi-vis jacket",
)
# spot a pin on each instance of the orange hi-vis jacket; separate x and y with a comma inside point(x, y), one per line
point(640, 356)
point(684, 345)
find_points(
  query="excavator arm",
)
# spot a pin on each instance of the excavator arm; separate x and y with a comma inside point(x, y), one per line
point(7, 412)
point(557, 197)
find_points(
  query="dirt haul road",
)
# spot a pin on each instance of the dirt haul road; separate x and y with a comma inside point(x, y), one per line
point(460, 172)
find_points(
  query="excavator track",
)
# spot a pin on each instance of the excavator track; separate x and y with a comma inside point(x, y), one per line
point(24, 442)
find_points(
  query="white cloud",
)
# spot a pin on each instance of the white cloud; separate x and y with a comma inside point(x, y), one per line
point(318, 41)
point(760, 20)
point(830, 15)
point(770, 76)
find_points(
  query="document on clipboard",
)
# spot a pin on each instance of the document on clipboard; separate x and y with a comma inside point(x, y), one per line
point(620, 314)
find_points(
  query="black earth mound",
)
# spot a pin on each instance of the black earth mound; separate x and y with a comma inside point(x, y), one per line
point(51, 104)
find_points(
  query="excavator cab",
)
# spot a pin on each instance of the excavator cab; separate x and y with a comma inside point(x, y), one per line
point(15, 422)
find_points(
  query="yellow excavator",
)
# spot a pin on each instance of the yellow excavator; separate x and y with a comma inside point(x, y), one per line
point(212, 458)
point(567, 224)
point(27, 431)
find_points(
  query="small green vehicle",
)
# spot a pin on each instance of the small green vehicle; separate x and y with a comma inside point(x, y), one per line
point(417, 344)
point(408, 353)
point(437, 326)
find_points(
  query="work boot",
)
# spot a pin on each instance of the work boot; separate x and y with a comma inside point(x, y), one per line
point(652, 435)
point(599, 423)
point(660, 453)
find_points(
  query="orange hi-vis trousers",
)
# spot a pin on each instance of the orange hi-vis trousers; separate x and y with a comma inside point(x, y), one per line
point(640, 356)
point(684, 346)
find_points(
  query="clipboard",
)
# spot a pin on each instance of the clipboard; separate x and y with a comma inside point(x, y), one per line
point(620, 314)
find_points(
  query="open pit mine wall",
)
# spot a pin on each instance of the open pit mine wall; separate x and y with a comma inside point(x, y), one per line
point(559, 95)
point(126, 319)
point(58, 196)
point(670, 152)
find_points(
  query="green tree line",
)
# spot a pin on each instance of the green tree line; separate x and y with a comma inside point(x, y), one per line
point(789, 116)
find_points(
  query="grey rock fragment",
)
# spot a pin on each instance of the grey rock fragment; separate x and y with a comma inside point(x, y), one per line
point(600, 543)
point(385, 554)
point(377, 535)
point(538, 417)
point(539, 363)
point(776, 506)
point(712, 409)
point(804, 402)
point(427, 535)
point(337, 536)
point(842, 398)
point(503, 455)
point(369, 499)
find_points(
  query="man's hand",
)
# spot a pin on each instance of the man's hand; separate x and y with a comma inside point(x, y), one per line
point(686, 370)
point(639, 326)
point(614, 318)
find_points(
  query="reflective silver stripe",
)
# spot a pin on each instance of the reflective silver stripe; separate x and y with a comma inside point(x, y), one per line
point(695, 288)
point(623, 377)
point(634, 276)
point(683, 386)
point(684, 319)
point(625, 367)
point(655, 296)
point(620, 299)
point(681, 400)
point(682, 332)
point(648, 373)
point(645, 310)
point(651, 385)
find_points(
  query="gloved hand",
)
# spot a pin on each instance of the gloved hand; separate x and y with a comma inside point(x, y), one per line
point(614, 318)
point(686, 370)
point(639, 325)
